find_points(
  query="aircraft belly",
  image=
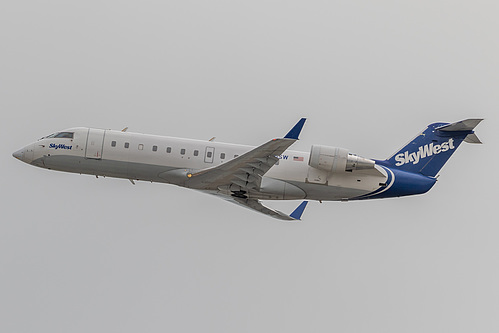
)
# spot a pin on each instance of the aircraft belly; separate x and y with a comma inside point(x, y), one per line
point(284, 190)
point(330, 192)
point(104, 167)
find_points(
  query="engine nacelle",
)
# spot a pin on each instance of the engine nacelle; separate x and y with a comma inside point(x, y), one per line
point(333, 159)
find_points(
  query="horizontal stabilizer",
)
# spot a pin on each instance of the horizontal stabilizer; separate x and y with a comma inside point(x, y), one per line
point(460, 126)
point(472, 138)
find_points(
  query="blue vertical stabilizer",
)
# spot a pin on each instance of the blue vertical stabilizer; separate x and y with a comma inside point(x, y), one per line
point(429, 151)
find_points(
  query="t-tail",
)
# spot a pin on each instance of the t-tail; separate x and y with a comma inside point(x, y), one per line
point(429, 151)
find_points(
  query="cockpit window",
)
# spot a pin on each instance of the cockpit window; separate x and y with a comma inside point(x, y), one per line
point(64, 135)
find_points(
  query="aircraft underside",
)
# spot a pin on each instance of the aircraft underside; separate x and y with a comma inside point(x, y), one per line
point(270, 188)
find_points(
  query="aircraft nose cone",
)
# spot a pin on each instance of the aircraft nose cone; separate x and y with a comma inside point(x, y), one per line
point(18, 154)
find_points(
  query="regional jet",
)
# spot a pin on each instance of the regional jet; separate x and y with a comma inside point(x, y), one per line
point(246, 175)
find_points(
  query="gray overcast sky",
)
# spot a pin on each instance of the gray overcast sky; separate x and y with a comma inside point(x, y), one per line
point(80, 254)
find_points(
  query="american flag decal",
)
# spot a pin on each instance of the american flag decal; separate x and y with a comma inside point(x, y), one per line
point(298, 158)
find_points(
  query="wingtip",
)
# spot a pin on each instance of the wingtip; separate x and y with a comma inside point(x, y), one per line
point(297, 213)
point(294, 133)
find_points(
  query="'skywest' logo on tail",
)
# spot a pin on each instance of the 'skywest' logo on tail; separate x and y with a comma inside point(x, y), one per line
point(423, 152)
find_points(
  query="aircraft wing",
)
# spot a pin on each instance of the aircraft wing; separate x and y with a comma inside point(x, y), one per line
point(255, 204)
point(245, 171)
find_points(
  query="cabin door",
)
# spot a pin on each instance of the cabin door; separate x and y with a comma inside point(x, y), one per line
point(209, 154)
point(95, 142)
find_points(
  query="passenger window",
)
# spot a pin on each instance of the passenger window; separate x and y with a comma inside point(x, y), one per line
point(222, 156)
point(154, 148)
point(169, 150)
point(113, 143)
point(141, 146)
point(127, 145)
point(196, 152)
point(182, 151)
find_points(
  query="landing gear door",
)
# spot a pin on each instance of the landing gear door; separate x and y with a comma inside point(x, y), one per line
point(95, 142)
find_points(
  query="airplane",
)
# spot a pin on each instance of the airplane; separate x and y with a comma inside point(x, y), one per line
point(245, 175)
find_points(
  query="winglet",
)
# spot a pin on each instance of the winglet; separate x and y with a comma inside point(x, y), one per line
point(296, 214)
point(467, 125)
point(295, 131)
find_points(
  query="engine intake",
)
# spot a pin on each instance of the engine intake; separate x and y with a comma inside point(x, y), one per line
point(333, 159)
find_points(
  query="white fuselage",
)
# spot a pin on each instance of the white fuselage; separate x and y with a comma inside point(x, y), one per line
point(168, 160)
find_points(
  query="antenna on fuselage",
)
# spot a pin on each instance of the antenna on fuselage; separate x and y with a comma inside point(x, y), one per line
point(125, 129)
point(213, 138)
